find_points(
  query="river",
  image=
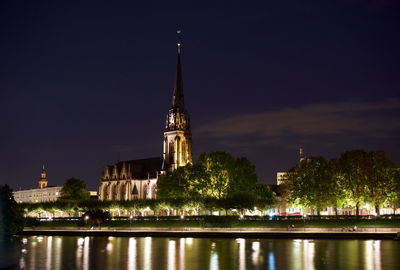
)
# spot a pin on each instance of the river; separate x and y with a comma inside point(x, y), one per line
point(148, 253)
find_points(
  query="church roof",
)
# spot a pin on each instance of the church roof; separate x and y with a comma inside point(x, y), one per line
point(142, 168)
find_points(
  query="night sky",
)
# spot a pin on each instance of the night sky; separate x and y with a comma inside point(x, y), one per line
point(86, 84)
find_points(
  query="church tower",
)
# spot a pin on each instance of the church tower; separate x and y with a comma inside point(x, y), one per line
point(43, 179)
point(177, 135)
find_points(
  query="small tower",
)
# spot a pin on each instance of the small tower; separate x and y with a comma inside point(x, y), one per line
point(43, 179)
point(301, 154)
point(177, 136)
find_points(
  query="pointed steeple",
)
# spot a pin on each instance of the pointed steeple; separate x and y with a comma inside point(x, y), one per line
point(177, 100)
point(177, 136)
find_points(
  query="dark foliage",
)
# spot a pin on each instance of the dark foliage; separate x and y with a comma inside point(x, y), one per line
point(95, 217)
point(11, 220)
point(219, 221)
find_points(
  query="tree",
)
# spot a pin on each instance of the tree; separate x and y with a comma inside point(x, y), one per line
point(240, 200)
point(224, 175)
point(11, 220)
point(184, 182)
point(265, 198)
point(338, 198)
point(171, 186)
point(310, 184)
point(378, 178)
point(74, 189)
point(244, 176)
point(393, 197)
point(219, 168)
point(350, 171)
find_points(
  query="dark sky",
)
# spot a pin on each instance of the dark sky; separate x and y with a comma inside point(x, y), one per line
point(86, 84)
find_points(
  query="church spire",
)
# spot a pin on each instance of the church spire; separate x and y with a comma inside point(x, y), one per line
point(177, 100)
point(177, 135)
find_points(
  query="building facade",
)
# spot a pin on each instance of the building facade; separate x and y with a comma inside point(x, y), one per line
point(129, 180)
point(41, 194)
point(137, 179)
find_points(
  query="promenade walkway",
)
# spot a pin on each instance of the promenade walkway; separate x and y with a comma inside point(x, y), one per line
point(273, 233)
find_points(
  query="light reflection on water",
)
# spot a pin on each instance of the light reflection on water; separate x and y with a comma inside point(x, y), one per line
point(196, 253)
point(132, 257)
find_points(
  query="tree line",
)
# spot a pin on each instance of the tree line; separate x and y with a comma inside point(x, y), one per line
point(355, 178)
point(217, 176)
point(221, 182)
point(217, 182)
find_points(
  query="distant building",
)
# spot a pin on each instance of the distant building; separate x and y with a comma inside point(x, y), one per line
point(281, 177)
point(137, 179)
point(93, 195)
point(43, 193)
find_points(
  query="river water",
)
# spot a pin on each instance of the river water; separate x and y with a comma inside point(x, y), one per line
point(114, 253)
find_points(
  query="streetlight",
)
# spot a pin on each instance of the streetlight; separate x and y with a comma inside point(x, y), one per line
point(304, 221)
point(130, 220)
point(375, 220)
point(86, 219)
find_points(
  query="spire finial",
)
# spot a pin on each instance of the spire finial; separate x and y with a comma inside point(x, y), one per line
point(178, 40)
point(177, 101)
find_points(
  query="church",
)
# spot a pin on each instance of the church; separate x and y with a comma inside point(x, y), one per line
point(137, 179)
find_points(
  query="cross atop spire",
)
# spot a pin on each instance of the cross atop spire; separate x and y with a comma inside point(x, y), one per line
point(177, 100)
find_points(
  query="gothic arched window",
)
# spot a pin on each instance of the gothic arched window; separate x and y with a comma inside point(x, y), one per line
point(171, 152)
point(178, 149)
point(184, 159)
point(135, 194)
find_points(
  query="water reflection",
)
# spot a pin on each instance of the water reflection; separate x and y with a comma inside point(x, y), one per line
point(57, 256)
point(308, 254)
point(214, 264)
point(373, 255)
point(86, 254)
point(271, 261)
point(182, 254)
point(377, 255)
point(147, 253)
point(48, 255)
point(242, 253)
point(32, 253)
point(132, 254)
point(256, 253)
point(193, 253)
point(189, 240)
point(79, 251)
point(171, 255)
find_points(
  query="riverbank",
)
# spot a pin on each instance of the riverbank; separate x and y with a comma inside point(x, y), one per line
point(271, 233)
point(220, 221)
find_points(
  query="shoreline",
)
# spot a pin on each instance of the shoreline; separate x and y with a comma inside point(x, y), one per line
point(266, 233)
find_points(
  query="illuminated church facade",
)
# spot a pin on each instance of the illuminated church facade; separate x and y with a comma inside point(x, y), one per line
point(137, 179)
